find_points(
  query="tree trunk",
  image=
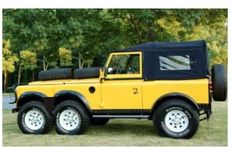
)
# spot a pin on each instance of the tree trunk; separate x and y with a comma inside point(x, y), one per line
point(5, 82)
point(151, 34)
point(80, 64)
point(44, 62)
point(46, 67)
point(32, 75)
point(136, 28)
point(19, 74)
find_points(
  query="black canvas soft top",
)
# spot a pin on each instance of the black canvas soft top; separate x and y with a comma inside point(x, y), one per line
point(155, 46)
point(173, 60)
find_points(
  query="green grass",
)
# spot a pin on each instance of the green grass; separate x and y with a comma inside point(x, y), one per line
point(121, 133)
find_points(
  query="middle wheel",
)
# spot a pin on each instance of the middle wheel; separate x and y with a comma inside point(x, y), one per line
point(71, 118)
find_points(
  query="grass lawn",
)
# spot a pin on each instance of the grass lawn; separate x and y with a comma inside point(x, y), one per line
point(120, 132)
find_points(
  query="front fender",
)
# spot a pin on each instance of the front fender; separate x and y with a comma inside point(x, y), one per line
point(73, 93)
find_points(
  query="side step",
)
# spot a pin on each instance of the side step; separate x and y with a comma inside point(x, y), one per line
point(122, 116)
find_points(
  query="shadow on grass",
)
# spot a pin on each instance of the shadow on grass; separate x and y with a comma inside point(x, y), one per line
point(117, 127)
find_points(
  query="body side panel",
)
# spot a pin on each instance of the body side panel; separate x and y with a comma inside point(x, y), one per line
point(119, 94)
point(122, 94)
point(197, 90)
point(50, 90)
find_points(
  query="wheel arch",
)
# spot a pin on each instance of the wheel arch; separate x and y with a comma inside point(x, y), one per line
point(170, 96)
point(30, 96)
point(71, 95)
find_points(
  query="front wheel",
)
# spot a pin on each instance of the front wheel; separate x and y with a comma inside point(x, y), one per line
point(176, 119)
point(33, 118)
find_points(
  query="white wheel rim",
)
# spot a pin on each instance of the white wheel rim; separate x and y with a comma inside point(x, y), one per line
point(34, 119)
point(69, 119)
point(176, 121)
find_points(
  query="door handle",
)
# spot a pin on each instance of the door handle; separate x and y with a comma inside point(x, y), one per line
point(135, 90)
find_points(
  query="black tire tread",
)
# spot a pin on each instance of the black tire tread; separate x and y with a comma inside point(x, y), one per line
point(69, 73)
point(85, 118)
point(219, 82)
point(175, 102)
point(56, 73)
point(48, 117)
point(93, 72)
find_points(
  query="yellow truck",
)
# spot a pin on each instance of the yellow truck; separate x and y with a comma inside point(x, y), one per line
point(166, 82)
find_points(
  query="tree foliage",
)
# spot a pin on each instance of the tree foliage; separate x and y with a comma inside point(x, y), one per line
point(28, 60)
point(88, 35)
point(65, 57)
point(9, 60)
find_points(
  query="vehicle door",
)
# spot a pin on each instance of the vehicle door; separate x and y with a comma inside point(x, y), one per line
point(121, 86)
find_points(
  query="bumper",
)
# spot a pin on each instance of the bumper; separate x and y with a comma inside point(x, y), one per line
point(15, 110)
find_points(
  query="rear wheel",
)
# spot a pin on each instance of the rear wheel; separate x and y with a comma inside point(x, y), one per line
point(176, 119)
point(99, 121)
point(33, 118)
point(71, 118)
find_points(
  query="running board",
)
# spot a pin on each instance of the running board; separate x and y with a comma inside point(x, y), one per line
point(121, 116)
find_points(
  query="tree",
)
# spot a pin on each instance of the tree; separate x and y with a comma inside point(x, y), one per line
point(9, 61)
point(65, 57)
point(90, 34)
point(28, 61)
point(207, 24)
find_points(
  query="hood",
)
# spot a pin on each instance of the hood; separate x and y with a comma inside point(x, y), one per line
point(66, 81)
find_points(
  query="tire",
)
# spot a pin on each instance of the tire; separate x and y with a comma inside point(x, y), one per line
point(99, 121)
point(87, 73)
point(219, 82)
point(56, 73)
point(176, 119)
point(71, 118)
point(33, 118)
